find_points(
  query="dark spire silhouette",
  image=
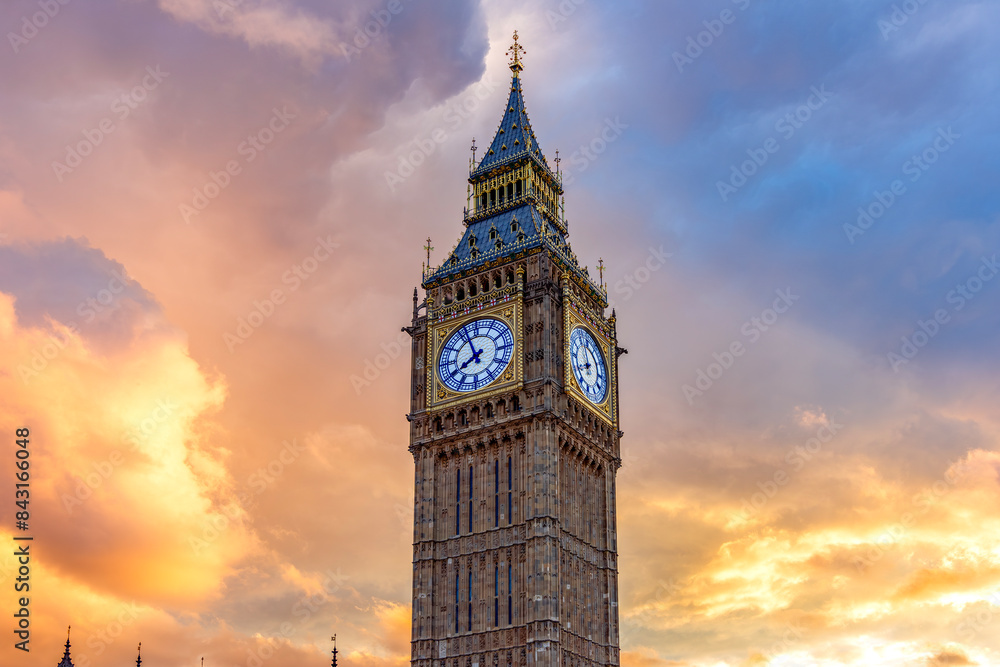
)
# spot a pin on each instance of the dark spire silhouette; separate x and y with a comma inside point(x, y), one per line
point(67, 661)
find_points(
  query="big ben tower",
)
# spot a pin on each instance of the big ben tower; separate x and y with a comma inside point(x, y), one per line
point(514, 430)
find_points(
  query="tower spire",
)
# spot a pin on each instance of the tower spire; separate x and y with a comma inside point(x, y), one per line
point(514, 52)
point(138, 659)
point(334, 640)
point(67, 661)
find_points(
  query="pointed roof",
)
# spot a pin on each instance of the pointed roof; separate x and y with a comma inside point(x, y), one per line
point(66, 661)
point(514, 225)
point(514, 139)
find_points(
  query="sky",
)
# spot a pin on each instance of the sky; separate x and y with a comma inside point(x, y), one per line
point(212, 219)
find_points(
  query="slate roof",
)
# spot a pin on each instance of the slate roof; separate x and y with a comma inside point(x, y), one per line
point(484, 249)
point(514, 139)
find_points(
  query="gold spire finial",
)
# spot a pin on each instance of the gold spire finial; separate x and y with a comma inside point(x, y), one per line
point(515, 52)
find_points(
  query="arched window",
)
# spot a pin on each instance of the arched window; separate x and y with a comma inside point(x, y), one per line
point(510, 191)
point(473, 288)
point(458, 501)
point(497, 281)
point(496, 596)
point(515, 404)
point(496, 493)
point(470, 599)
point(456, 601)
point(470, 499)
point(489, 410)
point(461, 293)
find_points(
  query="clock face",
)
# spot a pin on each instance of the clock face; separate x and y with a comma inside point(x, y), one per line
point(475, 355)
point(588, 365)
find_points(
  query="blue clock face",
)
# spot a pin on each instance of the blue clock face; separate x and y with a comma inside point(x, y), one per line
point(475, 355)
point(588, 365)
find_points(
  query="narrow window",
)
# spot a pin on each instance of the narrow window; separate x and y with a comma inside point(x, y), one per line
point(470, 599)
point(510, 487)
point(470, 499)
point(458, 502)
point(456, 601)
point(510, 596)
point(496, 596)
point(496, 493)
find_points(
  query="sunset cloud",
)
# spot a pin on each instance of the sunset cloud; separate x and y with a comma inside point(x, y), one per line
point(814, 503)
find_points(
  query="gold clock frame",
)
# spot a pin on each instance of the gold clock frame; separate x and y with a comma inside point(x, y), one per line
point(510, 311)
point(577, 314)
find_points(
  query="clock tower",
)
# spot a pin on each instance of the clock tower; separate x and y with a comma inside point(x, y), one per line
point(514, 429)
